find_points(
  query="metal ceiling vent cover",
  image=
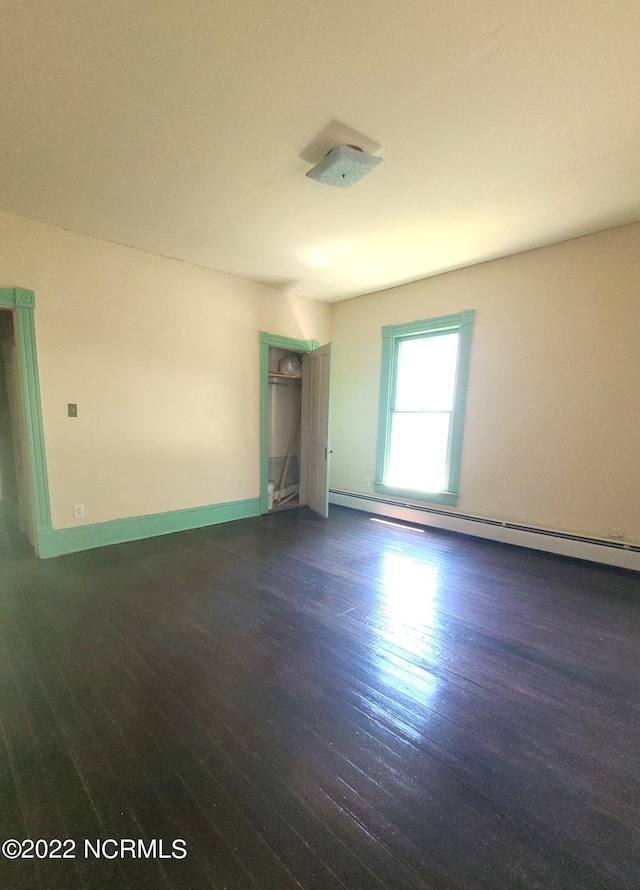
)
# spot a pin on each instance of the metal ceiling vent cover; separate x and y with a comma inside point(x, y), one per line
point(343, 166)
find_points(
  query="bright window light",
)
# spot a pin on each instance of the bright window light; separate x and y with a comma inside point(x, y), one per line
point(409, 528)
point(421, 419)
point(423, 393)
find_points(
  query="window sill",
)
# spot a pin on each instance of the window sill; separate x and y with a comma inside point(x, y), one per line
point(435, 497)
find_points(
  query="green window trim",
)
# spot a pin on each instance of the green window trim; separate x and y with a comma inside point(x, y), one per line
point(392, 335)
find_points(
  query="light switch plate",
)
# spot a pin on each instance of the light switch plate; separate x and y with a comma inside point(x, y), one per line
point(72, 409)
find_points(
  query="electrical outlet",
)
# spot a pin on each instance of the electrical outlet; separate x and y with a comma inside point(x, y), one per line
point(367, 482)
point(78, 511)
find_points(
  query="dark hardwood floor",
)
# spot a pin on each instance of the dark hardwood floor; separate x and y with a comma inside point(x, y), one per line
point(320, 705)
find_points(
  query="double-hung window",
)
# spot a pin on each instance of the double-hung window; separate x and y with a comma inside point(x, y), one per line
point(425, 365)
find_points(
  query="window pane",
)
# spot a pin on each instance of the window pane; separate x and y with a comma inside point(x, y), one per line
point(418, 451)
point(426, 373)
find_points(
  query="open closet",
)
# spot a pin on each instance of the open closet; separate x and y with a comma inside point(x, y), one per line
point(295, 424)
point(285, 422)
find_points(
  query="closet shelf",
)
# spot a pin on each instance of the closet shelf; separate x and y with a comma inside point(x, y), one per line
point(284, 378)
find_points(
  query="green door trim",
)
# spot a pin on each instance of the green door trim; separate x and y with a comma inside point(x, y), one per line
point(49, 542)
point(22, 302)
point(267, 340)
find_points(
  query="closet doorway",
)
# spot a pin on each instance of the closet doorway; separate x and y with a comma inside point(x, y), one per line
point(295, 414)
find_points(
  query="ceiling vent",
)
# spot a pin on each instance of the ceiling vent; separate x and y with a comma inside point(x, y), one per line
point(343, 165)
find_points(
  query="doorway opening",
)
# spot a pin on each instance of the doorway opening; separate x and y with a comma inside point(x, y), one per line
point(294, 437)
point(16, 529)
point(285, 416)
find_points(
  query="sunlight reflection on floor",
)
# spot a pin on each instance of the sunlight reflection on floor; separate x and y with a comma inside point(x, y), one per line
point(407, 619)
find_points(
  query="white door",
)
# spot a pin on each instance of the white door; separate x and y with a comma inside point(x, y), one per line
point(316, 393)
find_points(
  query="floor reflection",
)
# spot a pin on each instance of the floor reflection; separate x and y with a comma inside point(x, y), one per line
point(406, 642)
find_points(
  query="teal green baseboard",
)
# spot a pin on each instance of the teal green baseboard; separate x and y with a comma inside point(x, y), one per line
point(58, 541)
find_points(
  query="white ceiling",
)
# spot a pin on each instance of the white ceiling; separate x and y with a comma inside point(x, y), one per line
point(180, 126)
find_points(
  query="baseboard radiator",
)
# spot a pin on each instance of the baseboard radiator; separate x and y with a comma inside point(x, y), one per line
point(612, 553)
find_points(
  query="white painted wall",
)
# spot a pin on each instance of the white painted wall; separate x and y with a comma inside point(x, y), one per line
point(162, 358)
point(552, 433)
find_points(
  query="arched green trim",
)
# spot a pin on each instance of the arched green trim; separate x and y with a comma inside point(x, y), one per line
point(22, 302)
point(267, 340)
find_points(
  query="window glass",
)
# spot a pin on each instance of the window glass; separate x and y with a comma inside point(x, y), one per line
point(418, 451)
point(426, 375)
point(425, 368)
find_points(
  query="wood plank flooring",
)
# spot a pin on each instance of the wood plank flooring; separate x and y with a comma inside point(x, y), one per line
point(321, 705)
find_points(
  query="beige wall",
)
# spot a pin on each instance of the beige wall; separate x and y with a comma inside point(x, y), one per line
point(553, 415)
point(162, 359)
